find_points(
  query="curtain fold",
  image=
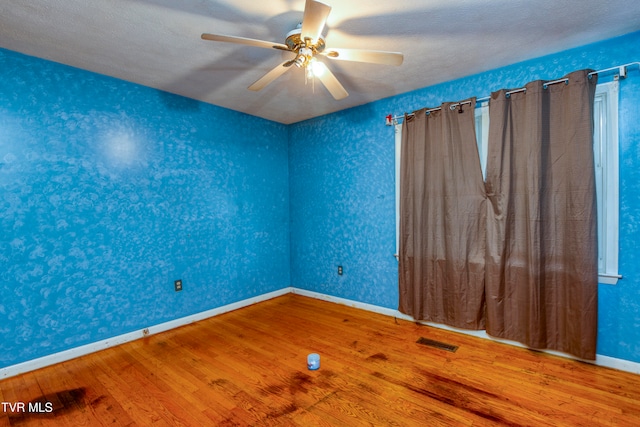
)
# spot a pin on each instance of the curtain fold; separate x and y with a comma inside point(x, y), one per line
point(442, 219)
point(541, 259)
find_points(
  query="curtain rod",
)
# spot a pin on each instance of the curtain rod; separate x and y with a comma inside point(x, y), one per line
point(622, 73)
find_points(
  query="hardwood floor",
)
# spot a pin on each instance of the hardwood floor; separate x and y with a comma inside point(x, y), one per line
point(248, 367)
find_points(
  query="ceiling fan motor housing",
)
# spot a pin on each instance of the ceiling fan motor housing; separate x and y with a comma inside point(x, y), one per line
point(295, 42)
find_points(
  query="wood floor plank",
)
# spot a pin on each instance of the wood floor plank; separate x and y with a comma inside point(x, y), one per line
point(248, 368)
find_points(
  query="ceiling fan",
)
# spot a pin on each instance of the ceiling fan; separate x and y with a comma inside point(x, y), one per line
point(306, 42)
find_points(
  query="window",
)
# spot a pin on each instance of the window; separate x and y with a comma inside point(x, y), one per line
point(482, 134)
point(605, 148)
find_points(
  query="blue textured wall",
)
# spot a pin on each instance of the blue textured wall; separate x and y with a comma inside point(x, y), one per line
point(110, 191)
point(342, 190)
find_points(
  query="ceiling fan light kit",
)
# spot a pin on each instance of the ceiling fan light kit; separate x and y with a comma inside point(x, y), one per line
point(307, 42)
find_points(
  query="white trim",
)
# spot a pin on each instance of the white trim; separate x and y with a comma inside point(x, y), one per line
point(355, 304)
point(604, 361)
point(63, 356)
point(619, 364)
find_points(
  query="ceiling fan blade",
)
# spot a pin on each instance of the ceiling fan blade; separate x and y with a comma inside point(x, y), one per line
point(315, 16)
point(245, 41)
point(263, 81)
point(329, 80)
point(371, 56)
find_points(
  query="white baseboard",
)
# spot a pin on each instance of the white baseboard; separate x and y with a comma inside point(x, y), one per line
point(605, 361)
point(73, 353)
point(63, 356)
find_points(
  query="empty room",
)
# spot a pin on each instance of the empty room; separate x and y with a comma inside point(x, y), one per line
point(305, 213)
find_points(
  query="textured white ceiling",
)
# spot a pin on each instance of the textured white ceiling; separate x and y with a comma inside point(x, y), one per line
point(157, 43)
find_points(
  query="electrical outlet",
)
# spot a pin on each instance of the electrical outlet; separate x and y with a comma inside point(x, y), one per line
point(178, 285)
point(340, 270)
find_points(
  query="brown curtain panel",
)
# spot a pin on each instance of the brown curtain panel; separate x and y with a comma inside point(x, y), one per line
point(442, 219)
point(541, 232)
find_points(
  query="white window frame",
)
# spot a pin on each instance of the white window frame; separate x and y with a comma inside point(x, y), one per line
point(606, 159)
